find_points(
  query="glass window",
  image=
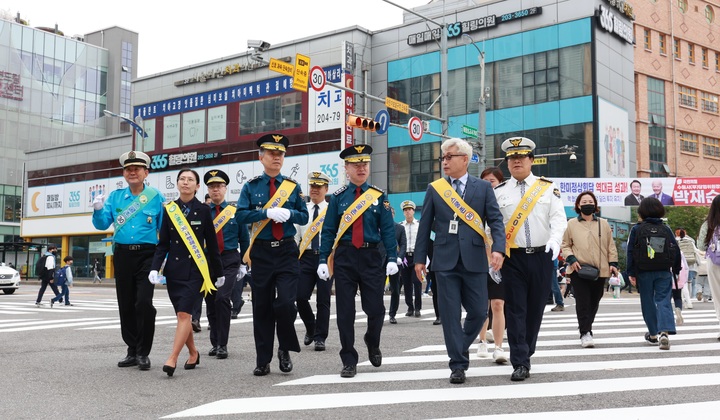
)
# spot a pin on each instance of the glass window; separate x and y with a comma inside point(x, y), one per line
point(413, 167)
point(648, 39)
point(709, 102)
point(657, 142)
point(691, 53)
point(148, 142)
point(661, 44)
point(717, 61)
point(193, 127)
point(217, 123)
point(704, 53)
point(683, 5)
point(687, 96)
point(676, 49)
point(171, 132)
point(507, 83)
point(711, 147)
point(271, 114)
point(688, 142)
point(418, 93)
point(575, 71)
point(709, 14)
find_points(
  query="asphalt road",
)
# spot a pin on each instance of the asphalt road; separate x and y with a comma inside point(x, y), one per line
point(61, 363)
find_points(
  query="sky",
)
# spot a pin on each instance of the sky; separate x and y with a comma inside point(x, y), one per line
point(175, 34)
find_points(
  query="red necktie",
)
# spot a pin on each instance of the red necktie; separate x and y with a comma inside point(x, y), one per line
point(277, 228)
point(357, 227)
point(220, 239)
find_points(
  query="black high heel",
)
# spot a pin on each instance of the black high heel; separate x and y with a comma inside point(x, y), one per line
point(189, 366)
point(170, 370)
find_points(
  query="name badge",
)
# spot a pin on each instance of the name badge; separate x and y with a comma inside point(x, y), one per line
point(195, 223)
point(453, 228)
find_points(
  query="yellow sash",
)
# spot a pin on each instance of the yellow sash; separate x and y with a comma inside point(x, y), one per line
point(224, 217)
point(527, 202)
point(277, 200)
point(312, 230)
point(459, 206)
point(192, 244)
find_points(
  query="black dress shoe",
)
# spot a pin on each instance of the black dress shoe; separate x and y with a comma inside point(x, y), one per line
point(373, 353)
point(222, 352)
point(520, 373)
point(189, 365)
point(170, 370)
point(437, 321)
point(348, 371)
point(285, 362)
point(262, 370)
point(418, 314)
point(196, 325)
point(393, 320)
point(143, 362)
point(410, 312)
point(308, 340)
point(213, 351)
point(128, 361)
point(233, 315)
point(457, 376)
point(319, 345)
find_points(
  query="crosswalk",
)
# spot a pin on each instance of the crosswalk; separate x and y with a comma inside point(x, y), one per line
point(620, 362)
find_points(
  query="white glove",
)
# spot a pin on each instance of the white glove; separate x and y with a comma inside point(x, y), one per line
point(399, 261)
point(278, 214)
point(323, 271)
point(553, 246)
point(391, 269)
point(242, 272)
point(220, 281)
point(98, 202)
point(153, 277)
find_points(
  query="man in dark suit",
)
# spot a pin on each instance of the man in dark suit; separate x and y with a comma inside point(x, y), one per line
point(665, 199)
point(394, 279)
point(634, 198)
point(458, 207)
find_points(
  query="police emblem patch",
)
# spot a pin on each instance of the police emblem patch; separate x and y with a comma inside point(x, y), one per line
point(556, 192)
point(143, 199)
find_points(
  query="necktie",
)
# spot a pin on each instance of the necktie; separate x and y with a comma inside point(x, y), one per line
point(357, 227)
point(526, 224)
point(185, 210)
point(316, 239)
point(458, 187)
point(219, 234)
point(277, 228)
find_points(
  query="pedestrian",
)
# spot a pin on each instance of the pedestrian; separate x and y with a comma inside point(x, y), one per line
point(135, 212)
point(186, 227)
point(358, 218)
point(233, 240)
point(535, 221)
point(395, 280)
point(411, 283)
point(47, 276)
point(588, 242)
point(64, 279)
point(308, 240)
point(651, 253)
point(709, 241)
point(457, 207)
point(704, 292)
point(689, 251)
point(273, 203)
point(96, 272)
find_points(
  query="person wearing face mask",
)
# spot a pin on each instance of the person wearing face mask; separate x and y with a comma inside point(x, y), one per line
point(47, 276)
point(588, 240)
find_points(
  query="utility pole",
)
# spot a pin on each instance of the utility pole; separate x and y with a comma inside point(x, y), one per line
point(481, 107)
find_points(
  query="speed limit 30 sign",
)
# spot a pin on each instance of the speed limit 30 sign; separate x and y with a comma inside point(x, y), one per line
point(317, 78)
point(415, 128)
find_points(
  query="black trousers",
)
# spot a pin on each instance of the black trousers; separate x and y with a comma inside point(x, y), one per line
point(218, 302)
point(135, 299)
point(412, 286)
point(358, 268)
point(45, 282)
point(433, 287)
point(275, 274)
point(394, 283)
point(317, 326)
point(587, 300)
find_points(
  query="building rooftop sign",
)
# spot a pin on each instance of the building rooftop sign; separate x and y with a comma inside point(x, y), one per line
point(227, 70)
point(611, 23)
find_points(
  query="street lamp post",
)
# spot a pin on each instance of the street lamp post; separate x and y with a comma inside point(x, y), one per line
point(481, 106)
point(134, 124)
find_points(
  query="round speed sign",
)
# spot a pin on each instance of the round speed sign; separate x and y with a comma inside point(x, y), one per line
point(317, 78)
point(415, 128)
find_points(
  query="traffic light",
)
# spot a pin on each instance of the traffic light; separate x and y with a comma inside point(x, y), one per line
point(362, 123)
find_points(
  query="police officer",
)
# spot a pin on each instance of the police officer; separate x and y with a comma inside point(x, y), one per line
point(358, 218)
point(535, 221)
point(411, 283)
point(229, 234)
point(136, 212)
point(308, 239)
point(272, 203)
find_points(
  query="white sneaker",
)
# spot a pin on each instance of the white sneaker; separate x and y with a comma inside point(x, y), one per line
point(499, 356)
point(678, 316)
point(664, 342)
point(587, 340)
point(482, 350)
point(39, 304)
point(489, 336)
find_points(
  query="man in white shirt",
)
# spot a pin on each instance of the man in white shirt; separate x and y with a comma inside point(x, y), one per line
point(411, 283)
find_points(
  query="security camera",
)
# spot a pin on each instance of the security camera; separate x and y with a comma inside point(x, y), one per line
point(573, 158)
point(258, 45)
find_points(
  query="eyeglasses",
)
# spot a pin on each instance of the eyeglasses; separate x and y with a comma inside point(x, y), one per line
point(447, 157)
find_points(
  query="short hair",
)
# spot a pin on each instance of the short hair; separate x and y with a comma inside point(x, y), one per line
point(462, 146)
point(635, 181)
point(51, 246)
point(650, 207)
point(494, 171)
point(68, 258)
point(580, 196)
point(207, 196)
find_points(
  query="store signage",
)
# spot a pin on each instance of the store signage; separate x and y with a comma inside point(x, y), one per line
point(10, 86)
point(456, 29)
point(166, 160)
point(611, 23)
point(220, 72)
point(623, 6)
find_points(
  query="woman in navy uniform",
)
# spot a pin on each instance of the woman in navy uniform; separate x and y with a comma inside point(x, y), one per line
point(184, 278)
point(273, 255)
point(357, 259)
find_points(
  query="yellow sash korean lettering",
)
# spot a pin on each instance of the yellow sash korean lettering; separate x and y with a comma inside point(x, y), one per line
point(459, 206)
point(191, 243)
point(224, 217)
point(312, 230)
point(527, 202)
point(277, 200)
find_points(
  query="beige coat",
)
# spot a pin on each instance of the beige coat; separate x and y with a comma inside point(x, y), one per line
point(581, 240)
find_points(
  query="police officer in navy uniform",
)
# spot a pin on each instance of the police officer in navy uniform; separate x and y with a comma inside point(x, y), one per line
point(528, 273)
point(232, 237)
point(273, 255)
point(316, 327)
point(136, 212)
point(357, 260)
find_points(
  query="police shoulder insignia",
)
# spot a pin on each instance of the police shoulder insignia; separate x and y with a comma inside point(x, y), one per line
point(340, 190)
point(502, 184)
point(255, 179)
point(302, 196)
point(377, 188)
point(291, 180)
point(546, 179)
point(556, 192)
point(387, 205)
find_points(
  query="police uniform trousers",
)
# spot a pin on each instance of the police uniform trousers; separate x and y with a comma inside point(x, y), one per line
point(274, 292)
point(455, 288)
point(411, 284)
point(527, 279)
point(358, 268)
point(316, 326)
point(135, 297)
point(394, 283)
point(218, 302)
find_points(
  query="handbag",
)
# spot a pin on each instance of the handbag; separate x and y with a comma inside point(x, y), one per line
point(588, 272)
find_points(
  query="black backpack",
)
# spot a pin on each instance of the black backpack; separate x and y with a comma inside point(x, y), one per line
point(654, 248)
point(40, 269)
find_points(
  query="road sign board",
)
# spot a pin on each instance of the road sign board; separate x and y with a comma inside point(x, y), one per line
point(317, 78)
point(397, 105)
point(302, 72)
point(540, 161)
point(415, 128)
point(383, 118)
point(282, 67)
point(471, 132)
point(475, 158)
